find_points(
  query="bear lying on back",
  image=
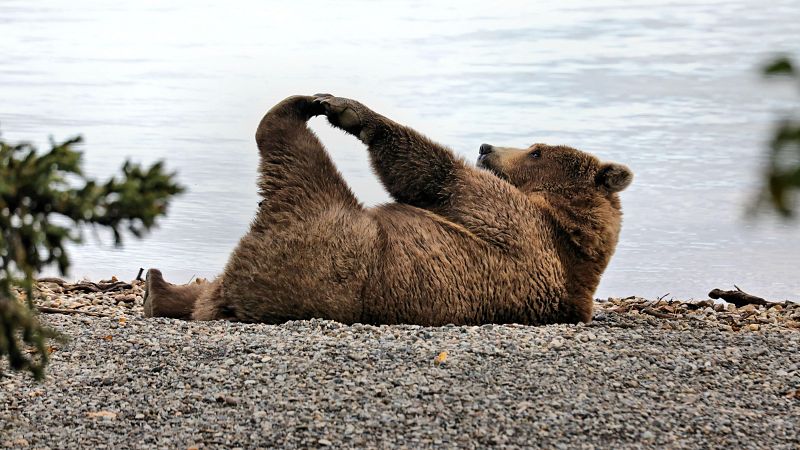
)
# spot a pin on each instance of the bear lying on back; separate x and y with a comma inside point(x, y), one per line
point(523, 238)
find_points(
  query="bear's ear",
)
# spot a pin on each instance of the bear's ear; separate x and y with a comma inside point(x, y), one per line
point(613, 177)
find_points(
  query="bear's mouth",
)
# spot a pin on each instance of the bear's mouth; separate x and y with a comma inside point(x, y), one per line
point(484, 163)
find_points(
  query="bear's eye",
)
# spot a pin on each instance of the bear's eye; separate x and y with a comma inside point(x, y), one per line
point(536, 153)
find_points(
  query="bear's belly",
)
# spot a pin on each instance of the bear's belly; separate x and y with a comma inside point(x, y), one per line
point(430, 274)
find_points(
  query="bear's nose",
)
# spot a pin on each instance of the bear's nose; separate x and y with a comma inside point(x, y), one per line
point(485, 149)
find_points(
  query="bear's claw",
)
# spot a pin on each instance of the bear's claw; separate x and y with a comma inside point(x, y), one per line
point(341, 112)
point(323, 100)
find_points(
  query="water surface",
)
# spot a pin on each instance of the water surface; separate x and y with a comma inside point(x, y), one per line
point(669, 88)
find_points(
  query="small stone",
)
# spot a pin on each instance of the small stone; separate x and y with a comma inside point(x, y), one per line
point(125, 298)
point(632, 383)
point(227, 400)
point(103, 415)
point(753, 327)
point(556, 343)
point(586, 337)
point(324, 442)
point(705, 303)
point(357, 356)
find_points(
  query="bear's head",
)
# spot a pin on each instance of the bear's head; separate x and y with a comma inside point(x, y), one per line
point(579, 194)
point(556, 169)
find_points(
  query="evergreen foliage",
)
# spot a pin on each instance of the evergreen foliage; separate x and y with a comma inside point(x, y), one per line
point(782, 178)
point(46, 202)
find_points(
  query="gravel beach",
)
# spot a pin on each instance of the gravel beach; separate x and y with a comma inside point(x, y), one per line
point(643, 374)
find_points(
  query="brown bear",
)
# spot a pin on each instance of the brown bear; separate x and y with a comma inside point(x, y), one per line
point(522, 238)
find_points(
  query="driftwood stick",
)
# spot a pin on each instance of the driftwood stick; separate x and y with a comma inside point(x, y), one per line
point(83, 287)
point(49, 310)
point(139, 275)
point(57, 281)
point(98, 287)
point(737, 297)
point(658, 314)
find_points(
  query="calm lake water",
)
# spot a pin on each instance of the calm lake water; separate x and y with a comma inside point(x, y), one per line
point(669, 88)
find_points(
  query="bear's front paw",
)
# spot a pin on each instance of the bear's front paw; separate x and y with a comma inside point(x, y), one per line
point(342, 112)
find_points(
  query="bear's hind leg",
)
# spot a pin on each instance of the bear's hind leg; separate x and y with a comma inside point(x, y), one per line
point(163, 299)
point(306, 252)
point(297, 176)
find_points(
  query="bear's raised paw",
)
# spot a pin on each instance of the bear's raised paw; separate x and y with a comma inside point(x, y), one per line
point(342, 112)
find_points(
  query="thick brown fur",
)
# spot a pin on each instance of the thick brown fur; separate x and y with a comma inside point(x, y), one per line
point(523, 238)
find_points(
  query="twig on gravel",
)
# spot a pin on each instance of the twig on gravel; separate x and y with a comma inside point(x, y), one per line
point(49, 310)
point(747, 314)
point(57, 281)
point(88, 286)
point(139, 275)
point(655, 313)
point(737, 297)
